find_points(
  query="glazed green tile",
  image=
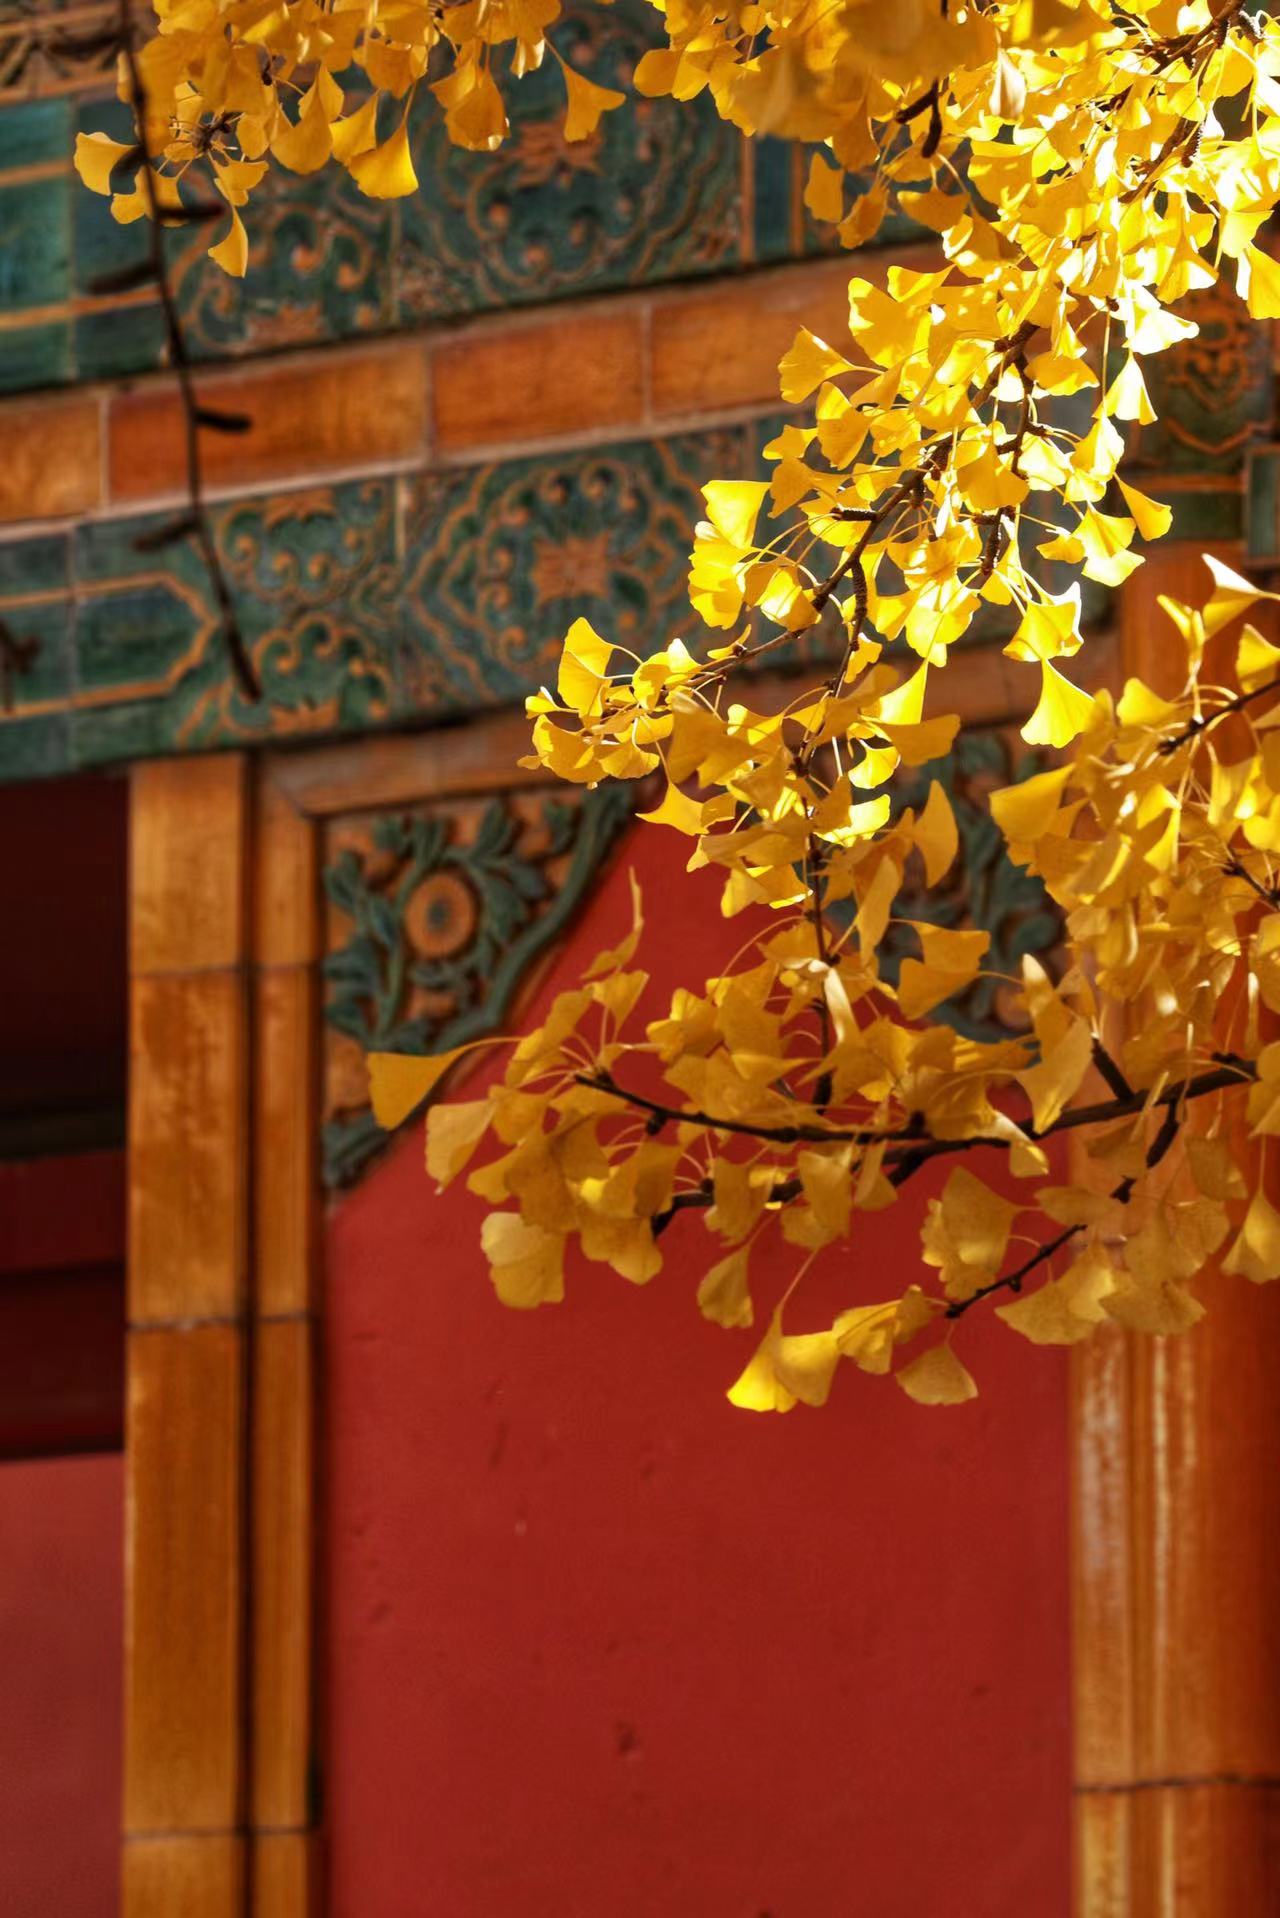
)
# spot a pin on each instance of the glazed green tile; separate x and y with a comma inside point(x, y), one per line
point(319, 268)
point(33, 132)
point(118, 341)
point(1207, 516)
point(771, 160)
point(35, 748)
point(1211, 395)
point(655, 194)
point(35, 356)
point(1262, 505)
point(35, 244)
point(501, 558)
point(311, 552)
point(137, 615)
point(107, 735)
point(34, 565)
point(316, 581)
point(102, 245)
point(49, 676)
point(131, 635)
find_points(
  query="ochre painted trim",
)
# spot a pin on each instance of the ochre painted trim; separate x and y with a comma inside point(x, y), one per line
point(221, 1679)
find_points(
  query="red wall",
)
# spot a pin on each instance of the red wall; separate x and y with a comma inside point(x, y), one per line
point(61, 1602)
point(603, 1647)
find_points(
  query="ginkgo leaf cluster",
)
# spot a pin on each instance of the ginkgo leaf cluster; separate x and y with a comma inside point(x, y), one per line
point(800, 1089)
point(952, 455)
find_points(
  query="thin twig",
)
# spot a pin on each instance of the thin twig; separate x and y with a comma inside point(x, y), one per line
point(1013, 1281)
point(907, 1144)
point(194, 415)
point(17, 657)
point(1194, 727)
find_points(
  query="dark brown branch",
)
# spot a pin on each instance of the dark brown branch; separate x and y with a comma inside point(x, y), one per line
point(1110, 1071)
point(906, 1144)
point(194, 415)
point(1270, 895)
point(1194, 727)
point(17, 657)
point(1013, 1281)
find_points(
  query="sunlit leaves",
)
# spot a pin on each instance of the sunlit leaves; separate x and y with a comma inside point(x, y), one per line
point(960, 433)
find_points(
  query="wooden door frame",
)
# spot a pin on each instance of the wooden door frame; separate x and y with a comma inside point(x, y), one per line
point(223, 1780)
point(1177, 1607)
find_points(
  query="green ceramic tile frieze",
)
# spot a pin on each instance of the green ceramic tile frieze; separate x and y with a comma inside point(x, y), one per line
point(35, 132)
point(655, 195)
point(443, 928)
point(364, 604)
point(1215, 398)
point(35, 244)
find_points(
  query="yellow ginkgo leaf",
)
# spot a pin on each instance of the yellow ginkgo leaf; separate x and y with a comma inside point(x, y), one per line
point(723, 1295)
point(357, 133)
point(305, 145)
point(787, 1371)
point(869, 1334)
point(583, 665)
point(232, 252)
point(400, 1081)
point(454, 1130)
point(1152, 519)
point(1059, 1074)
point(733, 507)
point(1232, 596)
point(386, 172)
point(1062, 713)
point(1258, 281)
point(1127, 396)
point(1257, 660)
point(1068, 1309)
point(587, 101)
point(676, 810)
point(824, 191)
point(809, 362)
point(930, 739)
point(950, 963)
point(936, 834)
point(970, 1223)
point(1025, 811)
point(1049, 629)
point(96, 158)
point(1255, 1251)
point(526, 1263)
point(937, 1378)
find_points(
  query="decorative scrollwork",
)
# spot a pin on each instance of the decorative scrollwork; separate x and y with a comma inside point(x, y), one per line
point(442, 913)
point(48, 49)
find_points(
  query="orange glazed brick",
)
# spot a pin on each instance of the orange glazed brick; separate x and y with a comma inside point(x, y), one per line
point(343, 410)
point(51, 462)
point(721, 348)
point(562, 375)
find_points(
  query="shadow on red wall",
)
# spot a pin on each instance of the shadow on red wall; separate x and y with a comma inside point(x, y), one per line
point(601, 1646)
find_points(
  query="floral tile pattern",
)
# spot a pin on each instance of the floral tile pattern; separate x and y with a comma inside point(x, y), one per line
point(364, 604)
point(657, 194)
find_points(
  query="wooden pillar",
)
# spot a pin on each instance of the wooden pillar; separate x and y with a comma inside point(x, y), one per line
point(1176, 1557)
point(185, 1644)
point(219, 1802)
